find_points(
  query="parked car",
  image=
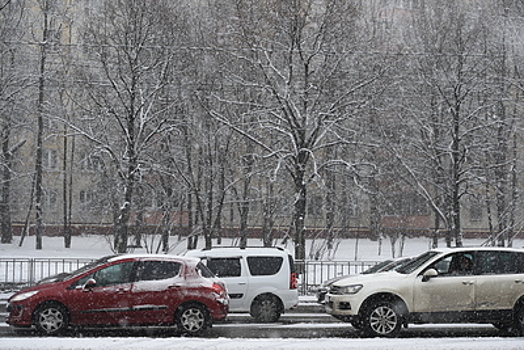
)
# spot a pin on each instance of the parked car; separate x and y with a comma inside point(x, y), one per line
point(261, 281)
point(463, 285)
point(126, 290)
point(383, 266)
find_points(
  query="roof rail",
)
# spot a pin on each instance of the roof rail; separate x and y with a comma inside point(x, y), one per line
point(238, 247)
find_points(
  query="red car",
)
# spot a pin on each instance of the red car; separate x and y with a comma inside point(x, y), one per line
point(126, 290)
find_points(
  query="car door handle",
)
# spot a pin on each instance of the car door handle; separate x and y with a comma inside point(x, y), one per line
point(519, 281)
point(241, 283)
point(468, 283)
point(174, 286)
point(121, 290)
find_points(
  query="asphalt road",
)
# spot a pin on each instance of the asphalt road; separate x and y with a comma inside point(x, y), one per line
point(307, 321)
point(292, 325)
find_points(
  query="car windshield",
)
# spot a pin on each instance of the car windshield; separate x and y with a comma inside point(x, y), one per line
point(377, 267)
point(416, 263)
point(88, 266)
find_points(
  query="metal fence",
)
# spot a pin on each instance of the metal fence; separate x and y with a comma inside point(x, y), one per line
point(316, 272)
point(20, 272)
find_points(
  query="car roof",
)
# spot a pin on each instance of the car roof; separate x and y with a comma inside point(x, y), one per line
point(237, 251)
point(151, 256)
point(472, 249)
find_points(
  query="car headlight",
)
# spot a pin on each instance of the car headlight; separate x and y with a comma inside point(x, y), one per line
point(351, 289)
point(23, 296)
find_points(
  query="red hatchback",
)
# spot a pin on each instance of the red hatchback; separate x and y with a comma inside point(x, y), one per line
point(126, 290)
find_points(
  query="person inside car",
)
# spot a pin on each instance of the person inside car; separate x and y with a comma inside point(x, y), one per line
point(462, 265)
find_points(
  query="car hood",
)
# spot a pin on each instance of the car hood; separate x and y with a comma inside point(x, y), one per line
point(39, 287)
point(366, 278)
point(335, 279)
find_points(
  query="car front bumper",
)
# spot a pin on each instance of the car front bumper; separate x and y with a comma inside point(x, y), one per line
point(341, 306)
point(18, 315)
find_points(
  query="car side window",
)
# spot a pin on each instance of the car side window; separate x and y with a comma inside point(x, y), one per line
point(264, 265)
point(111, 275)
point(458, 264)
point(499, 263)
point(114, 274)
point(224, 267)
point(204, 271)
point(158, 270)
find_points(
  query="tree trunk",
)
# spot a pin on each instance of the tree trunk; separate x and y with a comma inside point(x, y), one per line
point(5, 209)
point(299, 217)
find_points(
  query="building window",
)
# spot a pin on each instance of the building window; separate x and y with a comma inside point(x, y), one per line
point(51, 200)
point(86, 196)
point(475, 210)
point(92, 163)
point(349, 207)
point(50, 159)
point(315, 206)
point(405, 204)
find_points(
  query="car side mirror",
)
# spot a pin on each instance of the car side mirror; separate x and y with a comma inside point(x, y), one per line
point(91, 283)
point(429, 274)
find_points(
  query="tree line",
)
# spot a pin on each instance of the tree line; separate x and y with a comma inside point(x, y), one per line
point(289, 115)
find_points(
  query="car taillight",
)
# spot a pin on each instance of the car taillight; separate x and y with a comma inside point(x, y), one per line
point(218, 289)
point(293, 281)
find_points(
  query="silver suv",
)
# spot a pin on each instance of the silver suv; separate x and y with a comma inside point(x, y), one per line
point(462, 285)
point(261, 281)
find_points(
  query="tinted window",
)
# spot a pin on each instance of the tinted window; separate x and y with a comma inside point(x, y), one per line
point(292, 264)
point(158, 270)
point(498, 263)
point(204, 271)
point(224, 267)
point(264, 265)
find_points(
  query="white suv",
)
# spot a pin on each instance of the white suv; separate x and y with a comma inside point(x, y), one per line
point(261, 281)
point(462, 285)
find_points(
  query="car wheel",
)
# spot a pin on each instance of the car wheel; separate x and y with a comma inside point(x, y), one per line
point(518, 320)
point(51, 319)
point(266, 309)
point(382, 319)
point(192, 319)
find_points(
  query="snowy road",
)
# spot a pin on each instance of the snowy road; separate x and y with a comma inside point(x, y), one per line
point(286, 335)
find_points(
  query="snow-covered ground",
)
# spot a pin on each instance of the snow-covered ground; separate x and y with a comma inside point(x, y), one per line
point(94, 247)
point(348, 249)
point(261, 344)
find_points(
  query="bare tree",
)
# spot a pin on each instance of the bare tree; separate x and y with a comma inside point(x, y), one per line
point(12, 84)
point(444, 106)
point(126, 86)
point(298, 57)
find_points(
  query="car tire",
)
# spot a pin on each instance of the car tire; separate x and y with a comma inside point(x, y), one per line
point(192, 319)
point(518, 320)
point(51, 319)
point(382, 319)
point(266, 309)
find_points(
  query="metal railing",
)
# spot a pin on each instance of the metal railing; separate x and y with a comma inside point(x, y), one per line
point(21, 272)
point(316, 272)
